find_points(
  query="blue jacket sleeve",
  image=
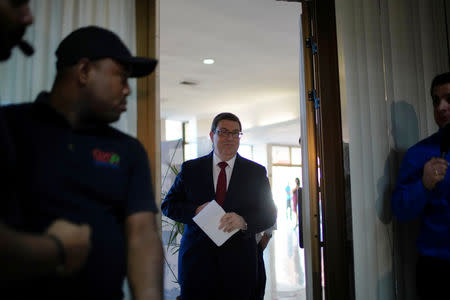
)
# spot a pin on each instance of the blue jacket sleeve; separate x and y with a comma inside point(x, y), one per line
point(175, 205)
point(410, 196)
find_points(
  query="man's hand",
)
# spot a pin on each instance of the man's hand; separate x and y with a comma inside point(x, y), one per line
point(232, 221)
point(434, 171)
point(264, 240)
point(201, 207)
point(76, 242)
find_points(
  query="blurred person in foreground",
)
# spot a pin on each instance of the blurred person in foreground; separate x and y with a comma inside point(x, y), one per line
point(75, 166)
point(63, 247)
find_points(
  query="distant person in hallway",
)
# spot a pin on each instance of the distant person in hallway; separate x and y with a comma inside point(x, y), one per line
point(241, 186)
point(423, 191)
point(75, 166)
point(64, 246)
point(288, 202)
point(296, 199)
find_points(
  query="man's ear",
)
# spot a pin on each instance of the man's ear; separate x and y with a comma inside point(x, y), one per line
point(83, 68)
point(211, 135)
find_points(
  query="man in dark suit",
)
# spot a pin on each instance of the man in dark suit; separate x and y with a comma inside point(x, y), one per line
point(205, 270)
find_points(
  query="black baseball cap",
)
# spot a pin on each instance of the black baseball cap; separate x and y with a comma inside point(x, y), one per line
point(94, 42)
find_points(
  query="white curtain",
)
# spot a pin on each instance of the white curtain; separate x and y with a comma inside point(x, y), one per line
point(21, 78)
point(388, 53)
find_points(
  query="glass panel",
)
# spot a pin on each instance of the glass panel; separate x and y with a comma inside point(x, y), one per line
point(281, 155)
point(188, 131)
point(174, 130)
point(296, 155)
point(190, 151)
point(246, 151)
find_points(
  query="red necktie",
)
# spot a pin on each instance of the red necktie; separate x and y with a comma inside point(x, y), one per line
point(221, 188)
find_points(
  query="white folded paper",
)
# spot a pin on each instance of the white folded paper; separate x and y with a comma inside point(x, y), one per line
point(208, 219)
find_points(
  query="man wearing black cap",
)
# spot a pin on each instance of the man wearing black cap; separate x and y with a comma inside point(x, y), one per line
point(423, 191)
point(25, 255)
point(79, 167)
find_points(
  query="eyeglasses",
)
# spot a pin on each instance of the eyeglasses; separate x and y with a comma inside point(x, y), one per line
point(226, 133)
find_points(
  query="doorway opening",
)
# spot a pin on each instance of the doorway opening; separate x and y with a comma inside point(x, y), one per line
point(286, 274)
point(239, 36)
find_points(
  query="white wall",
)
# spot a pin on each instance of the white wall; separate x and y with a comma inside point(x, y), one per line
point(204, 127)
point(388, 53)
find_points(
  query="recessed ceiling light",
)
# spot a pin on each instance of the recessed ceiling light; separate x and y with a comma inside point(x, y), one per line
point(208, 61)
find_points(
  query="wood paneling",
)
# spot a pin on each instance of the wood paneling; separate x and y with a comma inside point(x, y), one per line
point(312, 157)
point(331, 153)
point(148, 116)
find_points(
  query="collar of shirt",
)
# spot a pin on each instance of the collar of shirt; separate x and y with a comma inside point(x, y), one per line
point(47, 113)
point(216, 169)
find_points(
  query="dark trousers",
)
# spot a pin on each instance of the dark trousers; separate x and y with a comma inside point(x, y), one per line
point(433, 278)
point(228, 272)
point(261, 283)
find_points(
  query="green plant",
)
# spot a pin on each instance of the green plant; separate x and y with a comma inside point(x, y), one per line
point(174, 228)
point(172, 245)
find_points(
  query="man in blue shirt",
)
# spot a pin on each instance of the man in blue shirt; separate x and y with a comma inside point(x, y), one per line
point(423, 190)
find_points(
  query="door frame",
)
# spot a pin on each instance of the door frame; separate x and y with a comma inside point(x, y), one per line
point(323, 133)
point(324, 139)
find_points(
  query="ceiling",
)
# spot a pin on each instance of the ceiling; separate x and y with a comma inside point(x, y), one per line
point(255, 45)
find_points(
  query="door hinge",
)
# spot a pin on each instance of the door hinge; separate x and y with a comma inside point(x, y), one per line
point(312, 96)
point(311, 44)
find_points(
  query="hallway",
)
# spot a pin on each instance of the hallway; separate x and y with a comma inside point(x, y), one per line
point(285, 262)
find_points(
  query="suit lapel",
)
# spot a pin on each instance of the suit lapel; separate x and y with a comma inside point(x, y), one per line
point(208, 165)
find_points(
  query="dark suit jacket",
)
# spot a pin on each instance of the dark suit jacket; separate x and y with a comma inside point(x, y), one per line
point(229, 270)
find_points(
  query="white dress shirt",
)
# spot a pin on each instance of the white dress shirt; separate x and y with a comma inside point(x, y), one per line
point(216, 169)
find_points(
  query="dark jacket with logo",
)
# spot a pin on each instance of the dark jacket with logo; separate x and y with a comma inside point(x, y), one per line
point(95, 175)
